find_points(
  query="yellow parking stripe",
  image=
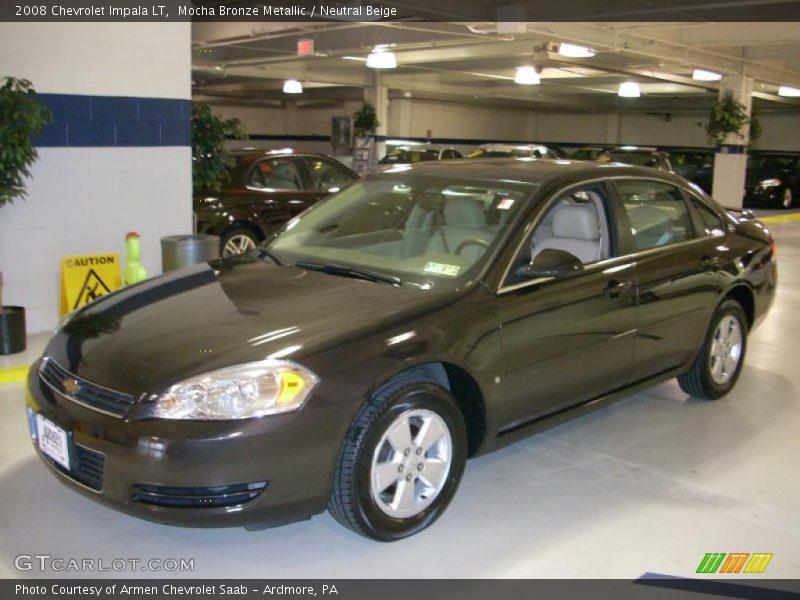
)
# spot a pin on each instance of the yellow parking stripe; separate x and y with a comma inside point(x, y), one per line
point(780, 218)
point(14, 374)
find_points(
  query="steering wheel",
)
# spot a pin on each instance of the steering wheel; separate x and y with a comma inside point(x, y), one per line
point(471, 242)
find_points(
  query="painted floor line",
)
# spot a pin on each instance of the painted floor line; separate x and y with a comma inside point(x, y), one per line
point(14, 374)
point(780, 218)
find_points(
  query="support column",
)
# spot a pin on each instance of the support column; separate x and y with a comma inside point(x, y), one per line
point(402, 108)
point(378, 95)
point(290, 121)
point(730, 160)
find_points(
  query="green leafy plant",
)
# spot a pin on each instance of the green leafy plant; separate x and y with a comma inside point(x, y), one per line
point(23, 118)
point(365, 120)
point(210, 162)
point(727, 116)
point(755, 128)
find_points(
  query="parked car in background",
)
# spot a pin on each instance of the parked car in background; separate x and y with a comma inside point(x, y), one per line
point(589, 152)
point(265, 190)
point(414, 153)
point(417, 318)
point(695, 165)
point(773, 179)
point(516, 151)
point(638, 156)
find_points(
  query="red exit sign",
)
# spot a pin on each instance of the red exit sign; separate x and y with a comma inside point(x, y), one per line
point(305, 46)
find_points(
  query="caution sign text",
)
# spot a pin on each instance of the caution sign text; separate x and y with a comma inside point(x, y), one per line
point(86, 278)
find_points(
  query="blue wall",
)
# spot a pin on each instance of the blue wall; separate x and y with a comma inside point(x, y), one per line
point(105, 121)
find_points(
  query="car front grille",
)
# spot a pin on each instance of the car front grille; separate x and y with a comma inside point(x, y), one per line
point(84, 392)
point(87, 467)
point(197, 497)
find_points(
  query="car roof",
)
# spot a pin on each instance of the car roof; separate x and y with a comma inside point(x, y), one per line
point(532, 170)
point(421, 146)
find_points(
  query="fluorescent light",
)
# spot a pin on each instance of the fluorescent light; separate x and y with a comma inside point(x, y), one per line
point(527, 76)
point(292, 86)
point(629, 89)
point(703, 75)
point(381, 59)
point(575, 51)
point(788, 91)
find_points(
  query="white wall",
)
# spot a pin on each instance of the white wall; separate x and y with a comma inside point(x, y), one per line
point(83, 200)
point(414, 117)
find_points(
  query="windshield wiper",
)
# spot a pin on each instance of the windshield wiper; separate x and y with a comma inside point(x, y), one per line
point(355, 272)
point(264, 250)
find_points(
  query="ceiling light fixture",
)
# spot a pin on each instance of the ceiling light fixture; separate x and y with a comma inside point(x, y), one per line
point(381, 58)
point(527, 76)
point(703, 75)
point(629, 89)
point(575, 51)
point(292, 86)
point(788, 91)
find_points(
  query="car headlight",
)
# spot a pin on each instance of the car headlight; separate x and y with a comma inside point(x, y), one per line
point(770, 183)
point(240, 392)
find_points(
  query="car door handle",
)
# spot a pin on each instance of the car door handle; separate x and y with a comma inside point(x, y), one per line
point(710, 263)
point(615, 288)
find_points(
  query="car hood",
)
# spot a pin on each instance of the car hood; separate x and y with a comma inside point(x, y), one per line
point(149, 336)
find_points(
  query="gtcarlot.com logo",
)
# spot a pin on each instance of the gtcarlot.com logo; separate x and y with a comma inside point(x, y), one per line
point(46, 562)
point(735, 562)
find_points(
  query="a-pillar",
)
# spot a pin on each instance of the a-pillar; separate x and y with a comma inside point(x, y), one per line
point(730, 161)
point(378, 95)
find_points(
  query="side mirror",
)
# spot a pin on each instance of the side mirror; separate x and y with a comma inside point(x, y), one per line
point(551, 263)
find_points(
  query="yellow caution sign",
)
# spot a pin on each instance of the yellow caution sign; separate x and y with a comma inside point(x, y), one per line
point(86, 278)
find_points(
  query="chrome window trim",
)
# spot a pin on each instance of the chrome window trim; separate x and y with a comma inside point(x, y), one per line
point(634, 256)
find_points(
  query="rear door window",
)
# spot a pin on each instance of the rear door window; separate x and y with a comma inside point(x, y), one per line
point(657, 213)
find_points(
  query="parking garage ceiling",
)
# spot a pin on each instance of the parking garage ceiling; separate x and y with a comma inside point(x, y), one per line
point(475, 62)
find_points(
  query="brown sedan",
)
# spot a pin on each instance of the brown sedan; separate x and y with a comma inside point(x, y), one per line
point(265, 190)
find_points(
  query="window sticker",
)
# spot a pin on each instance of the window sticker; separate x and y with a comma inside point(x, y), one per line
point(442, 269)
point(505, 204)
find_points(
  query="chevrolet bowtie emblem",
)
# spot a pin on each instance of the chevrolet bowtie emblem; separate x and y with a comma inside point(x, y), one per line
point(70, 385)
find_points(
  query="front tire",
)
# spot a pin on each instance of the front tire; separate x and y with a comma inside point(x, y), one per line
point(787, 198)
point(401, 462)
point(717, 367)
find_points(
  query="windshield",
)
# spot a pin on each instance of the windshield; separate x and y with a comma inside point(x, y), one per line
point(770, 162)
point(497, 153)
point(410, 155)
point(427, 231)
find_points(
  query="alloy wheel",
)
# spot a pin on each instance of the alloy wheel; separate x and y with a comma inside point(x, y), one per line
point(411, 463)
point(238, 244)
point(786, 201)
point(726, 349)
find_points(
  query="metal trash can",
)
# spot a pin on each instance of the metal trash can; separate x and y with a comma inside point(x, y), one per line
point(183, 250)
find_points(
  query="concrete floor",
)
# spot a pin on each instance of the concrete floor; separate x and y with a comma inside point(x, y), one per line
point(648, 485)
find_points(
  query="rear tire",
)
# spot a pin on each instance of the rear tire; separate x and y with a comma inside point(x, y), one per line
point(401, 462)
point(719, 363)
point(238, 241)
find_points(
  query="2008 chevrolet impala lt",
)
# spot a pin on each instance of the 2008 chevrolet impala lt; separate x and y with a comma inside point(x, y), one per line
point(418, 317)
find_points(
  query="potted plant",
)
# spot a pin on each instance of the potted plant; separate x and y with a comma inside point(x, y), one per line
point(365, 120)
point(210, 162)
point(24, 118)
point(726, 117)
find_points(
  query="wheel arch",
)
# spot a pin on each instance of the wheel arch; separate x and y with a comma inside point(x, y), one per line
point(461, 384)
point(743, 294)
point(243, 224)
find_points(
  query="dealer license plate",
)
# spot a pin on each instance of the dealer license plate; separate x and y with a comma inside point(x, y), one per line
point(53, 441)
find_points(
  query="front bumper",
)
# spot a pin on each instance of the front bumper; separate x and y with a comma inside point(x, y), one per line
point(757, 196)
point(137, 466)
